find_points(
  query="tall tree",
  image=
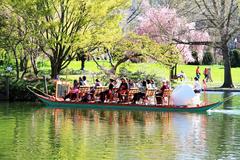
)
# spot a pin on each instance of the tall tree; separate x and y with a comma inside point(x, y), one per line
point(221, 19)
point(11, 34)
point(68, 25)
point(164, 25)
point(135, 46)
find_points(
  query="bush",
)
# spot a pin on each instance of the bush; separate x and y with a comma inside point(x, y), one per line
point(235, 58)
point(19, 92)
point(138, 75)
point(195, 57)
point(207, 58)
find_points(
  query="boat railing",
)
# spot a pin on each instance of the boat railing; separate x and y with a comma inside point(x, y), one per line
point(150, 95)
point(131, 93)
point(37, 91)
point(100, 89)
point(150, 92)
point(62, 88)
point(84, 89)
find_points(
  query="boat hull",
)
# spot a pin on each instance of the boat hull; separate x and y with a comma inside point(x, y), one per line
point(115, 106)
point(53, 103)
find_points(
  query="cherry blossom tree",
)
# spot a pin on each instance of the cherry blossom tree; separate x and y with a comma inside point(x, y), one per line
point(164, 25)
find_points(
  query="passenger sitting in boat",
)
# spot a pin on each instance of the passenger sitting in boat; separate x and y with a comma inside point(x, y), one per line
point(141, 94)
point(165, 85)
point(123, 89)
point(131, 84)
point(92, 91)
point(80, 81)
point(73, 92)
point(149, 84)
point(97, 83)
point(153, 84)
point(84, 82)
point(109, 93)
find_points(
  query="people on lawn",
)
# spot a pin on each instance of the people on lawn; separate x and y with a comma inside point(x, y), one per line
point(182, 76)
point(198, 73)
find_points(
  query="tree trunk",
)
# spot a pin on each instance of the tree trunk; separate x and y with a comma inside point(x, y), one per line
point(227, 68)
point(82, 64)
point(7, 82)
point(112, 71)
point(55, 69)
point(34, 65)
point(16, 63)
point(24, 66)
point(21, 65)
point(54, 72)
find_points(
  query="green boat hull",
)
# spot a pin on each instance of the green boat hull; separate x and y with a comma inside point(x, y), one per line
point(52, 103)
point(114, 106)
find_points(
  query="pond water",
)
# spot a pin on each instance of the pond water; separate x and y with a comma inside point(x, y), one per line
point(30, 131)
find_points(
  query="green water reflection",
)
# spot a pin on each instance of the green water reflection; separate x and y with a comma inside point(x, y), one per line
point(30, 131)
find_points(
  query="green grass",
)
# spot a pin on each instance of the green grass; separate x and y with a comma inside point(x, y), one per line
point(151, 68)
point(217, 74)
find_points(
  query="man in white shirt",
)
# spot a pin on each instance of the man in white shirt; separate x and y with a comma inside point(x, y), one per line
point(197, 86)
point(84, 82)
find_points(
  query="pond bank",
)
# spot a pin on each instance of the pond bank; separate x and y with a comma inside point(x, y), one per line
point(223, 89)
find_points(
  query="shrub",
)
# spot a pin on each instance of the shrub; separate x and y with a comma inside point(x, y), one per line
point(235, 58)
point(207, 58)
point(19, 92)
point(138, 75)
point(195, 57)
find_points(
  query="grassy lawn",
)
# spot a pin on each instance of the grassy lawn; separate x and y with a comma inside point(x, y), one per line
point(217, 74)
point(151, 68)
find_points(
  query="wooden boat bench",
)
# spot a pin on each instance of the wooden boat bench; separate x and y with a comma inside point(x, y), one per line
point(150, 96)
point(166, 96)
point(131, 93)
point(98, 90)
point(83, 90)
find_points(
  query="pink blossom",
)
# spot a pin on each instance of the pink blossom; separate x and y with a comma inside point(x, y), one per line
point(163, 24)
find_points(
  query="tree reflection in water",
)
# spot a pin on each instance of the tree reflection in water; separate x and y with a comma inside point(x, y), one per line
point(178, 129)
point(28, 132)
point(228, 104)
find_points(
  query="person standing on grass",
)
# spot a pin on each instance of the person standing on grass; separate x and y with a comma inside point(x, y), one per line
point(205, 73)
point(209, 75)
point(198, 72)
